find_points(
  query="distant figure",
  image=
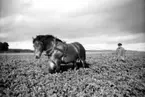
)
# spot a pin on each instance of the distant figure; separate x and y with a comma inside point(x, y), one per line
point(120, 52)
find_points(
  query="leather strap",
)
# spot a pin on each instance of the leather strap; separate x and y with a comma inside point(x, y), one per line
point(76, 50)
point(51, 50)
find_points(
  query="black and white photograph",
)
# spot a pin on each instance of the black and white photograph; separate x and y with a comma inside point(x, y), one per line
point(72, 48)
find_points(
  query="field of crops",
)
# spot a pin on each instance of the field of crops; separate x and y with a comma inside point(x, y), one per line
point(23, 76)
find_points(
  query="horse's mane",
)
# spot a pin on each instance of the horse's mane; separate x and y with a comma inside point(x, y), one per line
point(42, 38)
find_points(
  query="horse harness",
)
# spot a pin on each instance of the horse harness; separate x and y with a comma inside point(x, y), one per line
point(51, 50)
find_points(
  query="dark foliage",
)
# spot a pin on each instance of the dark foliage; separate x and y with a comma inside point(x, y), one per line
point(20, 51)
point(4, 46)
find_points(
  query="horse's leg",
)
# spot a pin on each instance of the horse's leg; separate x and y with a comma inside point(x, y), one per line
point(83, 63)
point(74, 65)
point(51, 66)
point(57, 69)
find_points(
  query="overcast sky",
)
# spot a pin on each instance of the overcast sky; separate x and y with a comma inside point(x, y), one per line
point(97, 24)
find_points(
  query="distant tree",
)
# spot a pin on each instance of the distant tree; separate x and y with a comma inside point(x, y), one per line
point(1, 46)
point(4, 46)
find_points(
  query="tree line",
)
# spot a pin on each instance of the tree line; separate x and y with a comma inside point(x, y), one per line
point(4, 46)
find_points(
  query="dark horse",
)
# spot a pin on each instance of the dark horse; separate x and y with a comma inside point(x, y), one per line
point(58, 51)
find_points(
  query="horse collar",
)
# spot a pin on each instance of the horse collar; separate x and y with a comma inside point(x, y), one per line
point(54, 47)
point(51, 50)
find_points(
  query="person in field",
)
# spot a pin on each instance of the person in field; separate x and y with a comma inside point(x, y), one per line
point(120, 52)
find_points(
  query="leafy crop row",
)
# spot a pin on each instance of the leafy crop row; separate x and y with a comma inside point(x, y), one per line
point(23, 76)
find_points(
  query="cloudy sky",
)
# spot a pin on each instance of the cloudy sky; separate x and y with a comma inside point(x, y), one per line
point(97, 24)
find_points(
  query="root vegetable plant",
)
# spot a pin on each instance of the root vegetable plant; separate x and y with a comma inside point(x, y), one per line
point(23, 76)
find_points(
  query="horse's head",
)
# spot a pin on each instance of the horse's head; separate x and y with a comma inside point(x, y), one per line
point(38, 48)
point(43, 43)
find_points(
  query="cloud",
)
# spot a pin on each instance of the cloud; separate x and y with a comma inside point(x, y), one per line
point(125, 15)
point(135, 46)
point(11, 7)
point(109, 39)
point(21, 45)
point(3, 35)
point(87, 21)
